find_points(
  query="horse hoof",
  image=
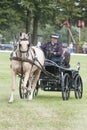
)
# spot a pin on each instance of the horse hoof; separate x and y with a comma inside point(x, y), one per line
point(30, 99)
point(10, 102)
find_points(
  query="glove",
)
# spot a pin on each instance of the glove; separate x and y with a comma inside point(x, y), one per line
point(53, 53)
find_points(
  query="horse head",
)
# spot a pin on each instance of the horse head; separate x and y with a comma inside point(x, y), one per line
point(24, 44)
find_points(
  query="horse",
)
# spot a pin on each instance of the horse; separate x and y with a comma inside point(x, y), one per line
point(26, 60)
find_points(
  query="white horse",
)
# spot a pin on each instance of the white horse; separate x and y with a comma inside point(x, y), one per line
point(23, 53)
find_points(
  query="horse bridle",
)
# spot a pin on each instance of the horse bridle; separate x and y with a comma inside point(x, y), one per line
point(26, 51)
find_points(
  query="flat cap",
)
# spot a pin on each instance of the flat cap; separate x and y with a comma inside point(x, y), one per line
point(55, 36)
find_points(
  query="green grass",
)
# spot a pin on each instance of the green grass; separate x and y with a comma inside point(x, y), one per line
point(48, 110)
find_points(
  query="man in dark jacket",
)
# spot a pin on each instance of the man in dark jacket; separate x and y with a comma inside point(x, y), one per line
point(53, 49)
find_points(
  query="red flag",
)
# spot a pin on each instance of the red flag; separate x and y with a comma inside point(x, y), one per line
point(66, 23)
point(81, 24)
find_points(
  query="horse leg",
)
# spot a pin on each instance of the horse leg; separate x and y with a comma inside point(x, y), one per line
point(13, 84)
point(37, 75)
point(30, 83)
point(26, 78)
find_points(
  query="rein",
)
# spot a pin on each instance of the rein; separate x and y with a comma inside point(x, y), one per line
point(33, 63)
point(25, 60)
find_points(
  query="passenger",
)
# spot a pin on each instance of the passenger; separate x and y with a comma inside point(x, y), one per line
point(53, 49)
point(66, 57)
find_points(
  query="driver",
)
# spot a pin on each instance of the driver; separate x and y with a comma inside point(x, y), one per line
point(53, 49)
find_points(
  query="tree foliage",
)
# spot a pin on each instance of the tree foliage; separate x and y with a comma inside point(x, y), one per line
point(29, 15)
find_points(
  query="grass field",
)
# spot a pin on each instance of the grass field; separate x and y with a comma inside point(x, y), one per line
point(47, 111)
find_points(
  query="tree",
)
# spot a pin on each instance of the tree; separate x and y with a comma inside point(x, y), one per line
point(70, 10)
point(30, 15)
point(10, 19)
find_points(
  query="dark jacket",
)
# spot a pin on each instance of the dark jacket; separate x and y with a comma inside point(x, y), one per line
point(50, 48)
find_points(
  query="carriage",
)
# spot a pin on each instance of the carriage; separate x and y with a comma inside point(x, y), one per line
point(57, 78)
point(37, 72)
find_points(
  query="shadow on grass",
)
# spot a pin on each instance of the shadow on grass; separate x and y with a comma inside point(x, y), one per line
point(54, 96)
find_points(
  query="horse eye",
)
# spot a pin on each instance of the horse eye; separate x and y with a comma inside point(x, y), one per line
point(19, 45)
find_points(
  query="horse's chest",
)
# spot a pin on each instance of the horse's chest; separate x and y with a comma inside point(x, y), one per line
point(20, 66)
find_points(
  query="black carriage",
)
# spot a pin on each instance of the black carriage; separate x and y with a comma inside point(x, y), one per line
point(56, 77)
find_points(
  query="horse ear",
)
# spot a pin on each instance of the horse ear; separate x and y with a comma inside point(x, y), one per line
point(20, 34)
point(28, 33)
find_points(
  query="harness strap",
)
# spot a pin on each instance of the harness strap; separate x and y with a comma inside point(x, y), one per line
point(24, 60)
point(32, 62)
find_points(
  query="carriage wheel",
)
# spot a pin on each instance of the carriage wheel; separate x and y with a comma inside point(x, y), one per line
point(78, 87)
point(21, 92)
point(66, 87)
